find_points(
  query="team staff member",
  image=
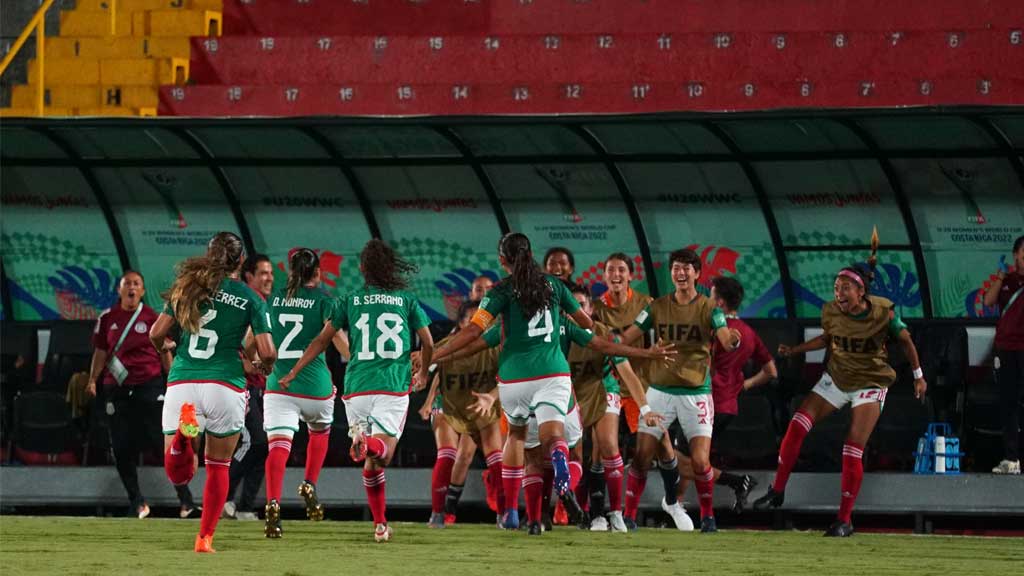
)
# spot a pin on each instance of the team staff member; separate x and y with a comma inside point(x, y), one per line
point(249, 462)
point(1008, 292)
point(131, 372)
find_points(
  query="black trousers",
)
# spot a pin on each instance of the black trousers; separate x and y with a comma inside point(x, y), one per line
point(247, 466)
point(134, 420)
point(1010, 377)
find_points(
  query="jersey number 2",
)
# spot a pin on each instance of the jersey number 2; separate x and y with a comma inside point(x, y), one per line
point(536, 328)
point(283, 353)
point(390, 327)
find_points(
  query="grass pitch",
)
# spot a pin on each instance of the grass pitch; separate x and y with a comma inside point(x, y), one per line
point(100, 546)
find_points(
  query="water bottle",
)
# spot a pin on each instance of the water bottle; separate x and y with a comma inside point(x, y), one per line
point(940, 454)
point(920, 462)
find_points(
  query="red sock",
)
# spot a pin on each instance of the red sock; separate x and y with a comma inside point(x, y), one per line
point(376, 448)
point(277, 458)
point(511, 481)
point(799, 426)
point(705, 482)
point(532, 486)
point(635, 484)
point(375, 483)
point(549, 482)
point(494, 483)
point(179, 460)
point(441, 478)
point(316, 451)
point(613, 471)
point(853, 475)
point(215, 494)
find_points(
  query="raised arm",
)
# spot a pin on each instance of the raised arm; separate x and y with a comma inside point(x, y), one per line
point(658, 351)
point(819, 342)
point(465, 337)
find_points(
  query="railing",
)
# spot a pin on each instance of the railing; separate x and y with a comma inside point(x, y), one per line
point(38, 25)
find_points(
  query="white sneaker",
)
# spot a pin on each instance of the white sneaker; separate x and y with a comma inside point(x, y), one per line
point(143, 511)
point(229, 511)
point(382, 533)
point(1007, 467)
point(616, 521)
point(247, 516)
point(679, 515)
point(599, 524)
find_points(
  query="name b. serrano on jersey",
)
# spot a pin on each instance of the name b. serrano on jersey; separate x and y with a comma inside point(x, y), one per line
point(380, 326)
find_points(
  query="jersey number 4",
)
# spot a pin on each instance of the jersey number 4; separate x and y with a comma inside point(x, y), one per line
point(541, 325)
point(390, 327)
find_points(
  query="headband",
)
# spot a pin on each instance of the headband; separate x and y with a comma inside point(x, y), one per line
point(853, 276)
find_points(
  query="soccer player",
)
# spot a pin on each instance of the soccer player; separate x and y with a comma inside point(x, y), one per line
point(457, 384)
point(381, 318)
point(617, 308)
point(529, 353)
point(206, 384)
point(298, 314)
point(596, 379)
point(727, 382)
point(681, 391)
point(533, 375)
point(481, 286)
point(856, 327)
point(560, 263)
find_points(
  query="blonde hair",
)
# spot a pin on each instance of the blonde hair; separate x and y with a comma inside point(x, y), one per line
point(198, 278)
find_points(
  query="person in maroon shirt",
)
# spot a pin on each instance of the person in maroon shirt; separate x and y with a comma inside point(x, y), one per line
point(248, 465)
point(1008, 292)
point(135, 404)
point(727, 382)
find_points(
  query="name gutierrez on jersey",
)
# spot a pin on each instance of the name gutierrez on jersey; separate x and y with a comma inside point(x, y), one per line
point(378, 299)
point(294, 302)
point(231, 300)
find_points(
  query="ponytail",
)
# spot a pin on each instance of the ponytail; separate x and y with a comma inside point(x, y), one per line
point(530, 287)
point(302, 265)
point(198, 278)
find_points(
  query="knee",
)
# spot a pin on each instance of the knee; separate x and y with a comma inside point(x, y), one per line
point(700, 463)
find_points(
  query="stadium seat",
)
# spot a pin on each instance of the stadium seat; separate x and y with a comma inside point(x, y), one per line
point(43, 430)
point(903, 421)
point(750, 441)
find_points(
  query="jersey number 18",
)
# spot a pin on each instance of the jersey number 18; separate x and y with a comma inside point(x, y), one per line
point(390, 327)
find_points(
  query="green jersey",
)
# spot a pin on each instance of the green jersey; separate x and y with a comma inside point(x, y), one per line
point(380, 326)
point(570, 334)
point(531, 347)
point(295, 322)
point(211, 354)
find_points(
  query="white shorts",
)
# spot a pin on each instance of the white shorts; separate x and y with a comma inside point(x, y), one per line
point(220, 408)
point(695, 412)
point(573, 430)
point(282, 413)
point(827, 389)
point(614, 403)
point(379, 413)
point(520, 400)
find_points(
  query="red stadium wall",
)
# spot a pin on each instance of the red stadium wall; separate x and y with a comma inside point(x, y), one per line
point(396, 57)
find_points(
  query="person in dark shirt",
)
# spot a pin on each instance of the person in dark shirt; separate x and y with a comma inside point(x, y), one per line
point(727, 382)
point(1008, 292)
point(131, 373)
